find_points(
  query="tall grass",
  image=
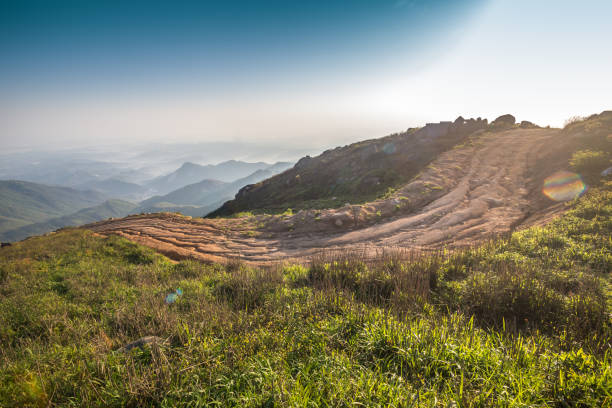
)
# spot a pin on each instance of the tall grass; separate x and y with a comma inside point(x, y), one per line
point(521, 321)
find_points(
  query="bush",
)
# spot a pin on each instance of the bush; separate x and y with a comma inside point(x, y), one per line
point(590, 163)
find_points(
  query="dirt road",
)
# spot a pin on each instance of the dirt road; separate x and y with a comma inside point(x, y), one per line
point(486, 187)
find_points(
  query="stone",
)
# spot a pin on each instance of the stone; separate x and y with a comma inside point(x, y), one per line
point(141, 342)
point(504, 121)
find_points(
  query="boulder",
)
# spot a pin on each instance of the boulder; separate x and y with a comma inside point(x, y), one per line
point(528, 125)
point(504, 121)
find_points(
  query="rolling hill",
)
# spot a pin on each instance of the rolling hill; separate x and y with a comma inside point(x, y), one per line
point(23, 203)
point(108, 209)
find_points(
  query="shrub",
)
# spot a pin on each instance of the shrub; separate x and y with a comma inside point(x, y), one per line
point(590, 163)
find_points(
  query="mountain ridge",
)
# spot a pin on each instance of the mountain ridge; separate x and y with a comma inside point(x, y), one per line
point(190, 173)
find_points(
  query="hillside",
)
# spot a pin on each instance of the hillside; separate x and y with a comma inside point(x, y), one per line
point(355, 173)
point(108, 209)
point(522, 321)
point(488, 185)
point(23, 203)
point(190, 173)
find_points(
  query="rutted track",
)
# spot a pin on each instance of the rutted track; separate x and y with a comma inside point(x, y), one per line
point(485, 188)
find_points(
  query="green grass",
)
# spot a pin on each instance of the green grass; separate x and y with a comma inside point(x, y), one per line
point(522, 321)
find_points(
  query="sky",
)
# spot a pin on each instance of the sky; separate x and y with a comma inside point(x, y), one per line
point(312, 74)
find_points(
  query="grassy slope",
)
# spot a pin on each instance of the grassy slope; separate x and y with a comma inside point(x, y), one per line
point(24, 203)
point(523, 321)
point(110, 208)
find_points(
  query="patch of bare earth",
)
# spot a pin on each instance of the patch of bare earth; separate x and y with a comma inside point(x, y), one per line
point(487, 187)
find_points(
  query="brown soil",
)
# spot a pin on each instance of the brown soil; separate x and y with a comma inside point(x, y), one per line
point(487, 187)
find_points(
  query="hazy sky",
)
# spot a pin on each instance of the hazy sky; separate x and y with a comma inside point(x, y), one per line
point(307, 73)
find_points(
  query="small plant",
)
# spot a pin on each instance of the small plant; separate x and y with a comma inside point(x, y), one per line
point(573, 120)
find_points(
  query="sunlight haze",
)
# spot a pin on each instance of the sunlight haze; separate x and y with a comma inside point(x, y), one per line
point(320, 76)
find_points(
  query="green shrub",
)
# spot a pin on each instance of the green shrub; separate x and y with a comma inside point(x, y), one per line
point(590, 163)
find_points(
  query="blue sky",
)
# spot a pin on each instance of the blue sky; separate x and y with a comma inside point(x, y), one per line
point(311, 73)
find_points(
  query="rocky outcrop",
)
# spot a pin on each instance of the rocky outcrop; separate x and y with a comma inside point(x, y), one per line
point(503, 122)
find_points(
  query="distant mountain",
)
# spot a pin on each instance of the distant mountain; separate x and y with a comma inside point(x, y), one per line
point(200, 198)
point(23, 203)
point(50, 169)
point(201, 193)
point(190, 173)
point(108, 209)
point(116, 188)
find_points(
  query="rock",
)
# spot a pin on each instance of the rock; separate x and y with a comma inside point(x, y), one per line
point(493, 202)
point(141, 342)
point(436, 130)
point(528, 125)
point(504, 121)
point(606, 173)
point(5, 244)
point(338, 222)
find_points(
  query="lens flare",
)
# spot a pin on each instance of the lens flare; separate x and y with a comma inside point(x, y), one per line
point(564, 186)
point(172, 297)
point(389, 148)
